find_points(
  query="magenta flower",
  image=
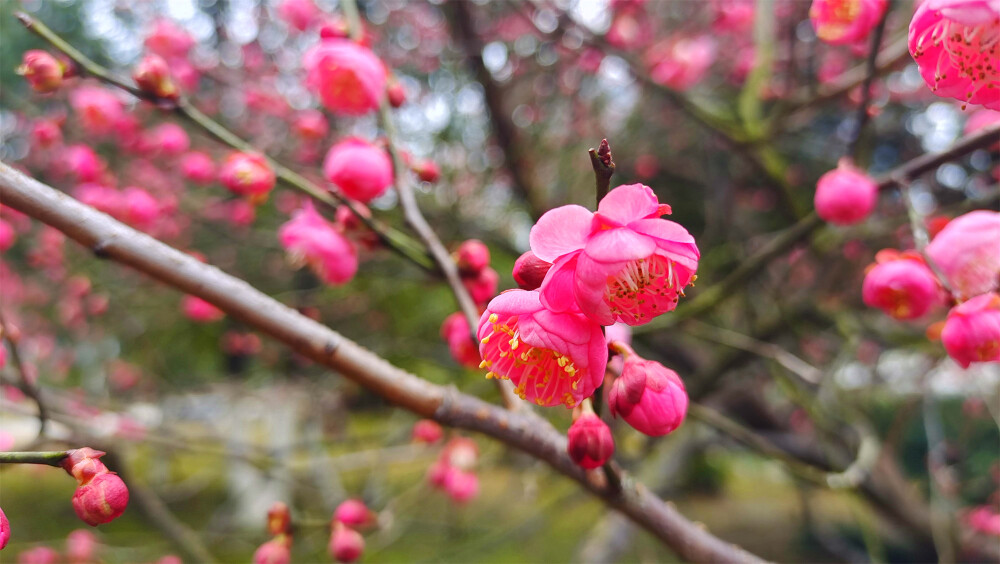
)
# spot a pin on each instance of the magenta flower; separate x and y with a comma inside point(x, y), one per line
point(353, 512)
point(648, 396)
point(346, 544)
point(681, 63)
point(298, 13)
point(589, 441)
point(81, 547)
point(247, 174)
point(845, 195)
point(842, 22)
point(551, 357)
point(623, 263)
point(984, 519)
point(99, 109)
point(461, 486)
point(200, 311)
point(168, 40)
point(348, 78)
point(361, 170)
point(312, 240)
point(956, 44)
point(275, 551)
point(967, 251)
point(198, 167)
point(901, 285)
point(43, 72)
point(4, 530)
point(972, 331)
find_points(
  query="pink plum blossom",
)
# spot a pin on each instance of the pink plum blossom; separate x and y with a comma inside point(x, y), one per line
point(455, 332)
point(623, 263)
point(171, 139)
point(967, 250)
point(99, 197)
point(83, 163)
point(901, 285)
point(139, 207)
point(198, 167)
point(551, 357)
point(310, 239)
point(843, 22)
point(984, 519)
point(482, 285)
point(427, 431)
point(7, 235)
point(589, 441)
point(247, 174)
point(39, 555)
point(168, 40)
point(4, 529)
point(81, 546)
point(361, 170)
point(956, 44)
point(46, 133)
point(310, 125)
point(298, 13)
point(845, 195)
point(981, 119)
point(152, 75)
point(681, 63)
point(348, 78)
point(99, 109)
point(461, 486)
point(972, 331)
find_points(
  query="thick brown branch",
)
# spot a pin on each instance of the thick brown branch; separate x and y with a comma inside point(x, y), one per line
point(522, 430)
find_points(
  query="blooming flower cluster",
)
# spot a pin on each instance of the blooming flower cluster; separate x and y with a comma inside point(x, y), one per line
point(966, 254)
point(623, 263)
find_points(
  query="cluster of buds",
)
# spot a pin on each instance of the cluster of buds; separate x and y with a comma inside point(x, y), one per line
point(346, 543)
point(278, 550)
point(452, 472)
point(101, 496)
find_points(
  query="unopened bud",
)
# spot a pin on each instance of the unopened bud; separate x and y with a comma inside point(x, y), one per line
point(84, 464)
point(43, 72)
point(353, 512)
point(152, 75)
point(529, 271)
point(590, 443)
point(101, 500)
point(395, 93)
point(279, 519)
point(472, 256)
point(346, 544)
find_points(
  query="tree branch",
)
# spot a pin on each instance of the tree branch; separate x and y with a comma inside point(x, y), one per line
point(24, 383)
point(523, 430)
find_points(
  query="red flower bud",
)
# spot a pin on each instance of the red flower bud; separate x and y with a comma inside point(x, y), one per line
point(274, 551)
point(427, 431)
point(427, 170)
point(346, 544)
point(83, 464)
point(590, 443)
point(279, 519)
point(472, 256)
point(353, 512)
point(397, 95)
point(483, 285)
point(152, 75)
point(648, 396)
point(529, 271)
point(102, 500)
point(43, 72)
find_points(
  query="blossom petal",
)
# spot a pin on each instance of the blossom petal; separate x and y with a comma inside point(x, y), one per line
point(628, 203)
point(617, 245)
point(560, 231)
point(557, 288)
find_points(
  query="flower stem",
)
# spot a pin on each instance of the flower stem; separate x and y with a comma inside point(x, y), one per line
point(49, 458)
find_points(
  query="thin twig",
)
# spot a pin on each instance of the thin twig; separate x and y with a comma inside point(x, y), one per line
point(871, 68)
point(48, 458)
point(25, 384)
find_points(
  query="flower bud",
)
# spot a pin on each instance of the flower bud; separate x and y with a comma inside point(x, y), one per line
point(4, 529)
point(361, 170)
point(84, 464)
point(455, 332)
point(198, 167)
point(901, 285)
point(298, 13)
point(472, 256)
point(274, 551)
point(396, 94)
point(247, 174)
point(483, 285)
point(43, 72)
point(461, 486)
point(200, 311)
point(81, 545)
point(346, 544)
point(39, 555)
point(310, 125)
point(427, 431)
point(427, 170)
point(437, 474)
point(648, 396)
point(279, 519)
point(101, 500)
point(589, 444)
point(461, 453)
point(972, 331)
point(353, 512)
point(845, 195)
point(529, 271)
point(152, 75)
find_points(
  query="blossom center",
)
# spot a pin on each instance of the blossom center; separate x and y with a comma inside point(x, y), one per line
point(972, 51)
point(541, 375)
point(643, 289)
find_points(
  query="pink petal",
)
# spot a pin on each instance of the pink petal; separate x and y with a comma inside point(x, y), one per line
point(628, 203)
point(662, 229)
point(617, 245)
point(560, 231)
point(557, 288)
point(591, 285)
